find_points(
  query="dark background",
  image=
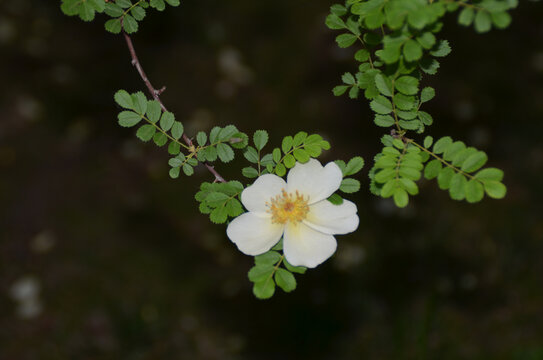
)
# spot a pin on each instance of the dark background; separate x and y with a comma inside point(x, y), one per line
point(117, 262)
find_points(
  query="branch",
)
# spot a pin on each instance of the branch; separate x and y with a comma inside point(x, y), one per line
point(156, 95)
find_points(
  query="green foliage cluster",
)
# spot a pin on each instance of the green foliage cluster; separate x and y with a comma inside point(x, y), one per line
point(220, 200)
point(300, 147)
point(398, 45)
point(161, 127)
point(267, 273)
point(125, 14)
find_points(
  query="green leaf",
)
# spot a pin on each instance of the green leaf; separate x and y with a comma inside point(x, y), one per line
point(153, 111)
point(160, 139)
point(130, 24)
point(474, 191)
point(138, 13)
point(340, 90)
point(285, 280)
point(286, 144)
point(276, 153)
point(125, 4)
point(264, 289)
point(490, 174)
point(166, 121)
point(289, 161)
point(173, 2)
point(354, 166)
point(334, 22)
point(146, 132)
point(177, 129)
point(174, 148)
point(335, 199)
point(251, 155)
point(362, 55)
point(218, 215)
point(128, 118)
point(345, 40)
point(123, 98)
point(457, 189)
point(227, 132)
point(301, 155)
point(158, 4)
point(483, 21)
point(495, 189)
point(383, 120)
point(349, 185)
point(427, 40)
point(260, 273)
point(444, 178)
point(466, 16)
point(189, 170)
point(401, 199)
point(294, 269)
point(442, 144)
point(174, 172)
point(384, 85)
point(86, 12)
point(353, 92)
point(404, 102)
point(412, 50)
point(114, 11)
point(427, 94)
point(432, 169)
point(428, 141)
point(280, 170)
point(381, 105)
point(225, 152)
point(474, 162)
point(442, 49)
point(113, 26)
point(239, 140)
point(140, 102)
point(501, 19)
point(201, 138)
point(268, 258)
point(211, 153)
point(299, 138)
point(407, 85)
point(260, 139)
point(249, 172)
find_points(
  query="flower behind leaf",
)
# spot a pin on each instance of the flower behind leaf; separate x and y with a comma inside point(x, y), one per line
point(298, 210)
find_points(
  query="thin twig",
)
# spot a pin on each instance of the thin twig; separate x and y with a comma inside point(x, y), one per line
point(156, 95)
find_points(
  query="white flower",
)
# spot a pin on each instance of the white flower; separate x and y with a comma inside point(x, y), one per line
point(298, 210)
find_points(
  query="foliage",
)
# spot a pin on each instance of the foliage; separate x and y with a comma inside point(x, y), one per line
point(399, 44)
point(125, 14)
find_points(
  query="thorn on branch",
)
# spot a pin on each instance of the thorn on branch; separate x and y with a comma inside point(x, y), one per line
point(160, 91)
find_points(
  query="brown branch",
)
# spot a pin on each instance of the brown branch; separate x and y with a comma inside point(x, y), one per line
point(156, 95)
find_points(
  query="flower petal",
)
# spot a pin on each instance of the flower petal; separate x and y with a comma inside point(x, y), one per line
point(304, 246)
point(253, 234)
point(332, 219)
point(254, 197)
point(314, 180)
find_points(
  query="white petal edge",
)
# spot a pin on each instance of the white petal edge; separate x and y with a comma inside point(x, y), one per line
point(253, 234)
point(304, 246)
point(313, 180)
point(333, 219)
point(267, 186)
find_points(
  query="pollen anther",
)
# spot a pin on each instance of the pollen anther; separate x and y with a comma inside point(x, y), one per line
point(288, 207)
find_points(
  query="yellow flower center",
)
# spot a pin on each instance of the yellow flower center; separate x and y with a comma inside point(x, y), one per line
point(288, 207)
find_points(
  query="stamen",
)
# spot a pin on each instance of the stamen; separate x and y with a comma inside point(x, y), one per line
point(288, 207)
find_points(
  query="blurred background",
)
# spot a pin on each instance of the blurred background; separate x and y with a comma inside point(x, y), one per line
point(103, 256)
